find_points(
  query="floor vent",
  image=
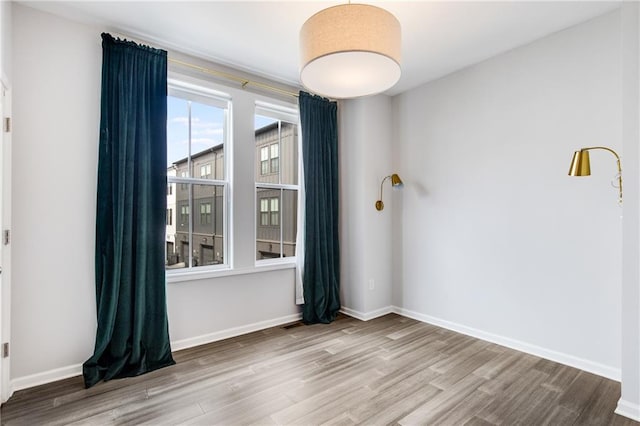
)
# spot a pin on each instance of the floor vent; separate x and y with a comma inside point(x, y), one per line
point(293, 325)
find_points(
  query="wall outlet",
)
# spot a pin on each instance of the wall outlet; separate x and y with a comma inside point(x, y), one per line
point(372, 284)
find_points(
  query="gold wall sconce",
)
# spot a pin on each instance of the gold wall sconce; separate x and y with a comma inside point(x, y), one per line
point(396, 183)
point(581, 166)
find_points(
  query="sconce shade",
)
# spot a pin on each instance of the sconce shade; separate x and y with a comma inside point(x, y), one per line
point(396, 182)
point(350, 50)
point(580, 164)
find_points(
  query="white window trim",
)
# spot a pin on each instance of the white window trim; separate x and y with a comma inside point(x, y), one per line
point(289, 115)
point(218, 99)
point(202, 273)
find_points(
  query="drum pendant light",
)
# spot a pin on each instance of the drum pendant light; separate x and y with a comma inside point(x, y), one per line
point(349, 51)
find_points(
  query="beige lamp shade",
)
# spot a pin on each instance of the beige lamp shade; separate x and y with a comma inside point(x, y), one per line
point(349, 51)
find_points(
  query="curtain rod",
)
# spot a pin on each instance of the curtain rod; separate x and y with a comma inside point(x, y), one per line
point(244, 82)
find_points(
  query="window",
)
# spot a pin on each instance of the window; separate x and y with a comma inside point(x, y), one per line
point(169, 216)
point(205, 171)
point(269, 211)
point(276, 139)
point(275, 212)
point(264, 212)
point(205, 213)
point(197, 129)
point(274, 158)
point(269, 159)
point(184, 215)
point(264, 160)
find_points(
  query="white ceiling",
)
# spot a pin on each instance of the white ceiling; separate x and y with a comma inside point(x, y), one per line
point(438, 37)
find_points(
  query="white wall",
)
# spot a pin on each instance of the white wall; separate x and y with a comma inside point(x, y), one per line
point(365, 233)
point(55, 104)
point(495, 237)
point(57, 66)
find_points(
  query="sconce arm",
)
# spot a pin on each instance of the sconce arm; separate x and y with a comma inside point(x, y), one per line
point(619, 167)
point(379, 203)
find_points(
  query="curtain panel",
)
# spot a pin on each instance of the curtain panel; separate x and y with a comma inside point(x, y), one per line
point(132, 336)
point(321, 272)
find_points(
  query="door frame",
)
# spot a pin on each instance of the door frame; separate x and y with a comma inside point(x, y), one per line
point(5, 249)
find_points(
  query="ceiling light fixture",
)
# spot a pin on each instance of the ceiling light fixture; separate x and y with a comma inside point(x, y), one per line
point(349, 51)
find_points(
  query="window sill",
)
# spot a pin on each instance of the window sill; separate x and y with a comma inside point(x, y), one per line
point(177, 277)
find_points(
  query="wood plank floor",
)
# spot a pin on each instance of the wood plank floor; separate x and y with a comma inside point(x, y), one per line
point(391, 370)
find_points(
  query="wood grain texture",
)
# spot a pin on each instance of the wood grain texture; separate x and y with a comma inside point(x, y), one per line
point(391, 370)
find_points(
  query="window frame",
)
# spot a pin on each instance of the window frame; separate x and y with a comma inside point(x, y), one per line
point(206, 96)
point(290, 116)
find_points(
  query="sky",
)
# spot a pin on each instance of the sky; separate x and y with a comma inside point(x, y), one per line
point(207, 127)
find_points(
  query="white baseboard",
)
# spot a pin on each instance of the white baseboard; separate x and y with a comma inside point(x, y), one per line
point(628, 409)
point(232, 332)
point(76, 370)
point(366, 316)
point(562, 358)
point(45, 377)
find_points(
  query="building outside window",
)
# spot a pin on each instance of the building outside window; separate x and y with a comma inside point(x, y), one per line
point(276, 170)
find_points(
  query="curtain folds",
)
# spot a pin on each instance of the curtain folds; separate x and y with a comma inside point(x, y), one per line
point(321, 273)
point(132, 336)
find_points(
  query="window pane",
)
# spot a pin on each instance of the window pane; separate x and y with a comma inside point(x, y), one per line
point(177, 130)
point(178, 234)
point(288, 154)
point(207, 136)
point(289, 215)
point(208, 237)
point(266, 134)
point(267, 232)
point(171, 255)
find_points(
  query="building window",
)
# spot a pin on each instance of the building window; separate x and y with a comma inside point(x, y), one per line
point(264, 212)
point(197, 129)
point(184, 216)
point(264, 160)
point(169, 216)
point(205, 171)
point(269, 159)
point(277, 147)
point(269, 211)
point(275, 163)
point(205, 213)
point(274, 211)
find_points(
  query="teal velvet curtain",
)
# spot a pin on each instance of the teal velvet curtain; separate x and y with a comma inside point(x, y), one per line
point(132, 337)
point(321, 272)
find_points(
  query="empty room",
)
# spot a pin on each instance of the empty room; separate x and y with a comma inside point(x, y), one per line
point(312, 212)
